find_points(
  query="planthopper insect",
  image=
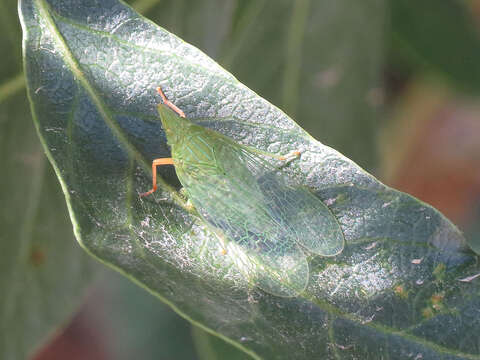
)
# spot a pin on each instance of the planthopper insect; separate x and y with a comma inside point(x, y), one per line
point(267, 224)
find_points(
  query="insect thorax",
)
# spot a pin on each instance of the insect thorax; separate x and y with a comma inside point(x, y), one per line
point(196, 153)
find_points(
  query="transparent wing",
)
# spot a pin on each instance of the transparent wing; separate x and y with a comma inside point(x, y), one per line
point(309, 221)
point(266, 253)
point(247, 199)
point(305, 216)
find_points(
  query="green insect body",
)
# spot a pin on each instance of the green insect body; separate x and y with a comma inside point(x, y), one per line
point(249, 203)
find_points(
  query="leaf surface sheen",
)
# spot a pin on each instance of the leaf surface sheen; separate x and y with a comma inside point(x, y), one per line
point(393, 292)
point(43, 272)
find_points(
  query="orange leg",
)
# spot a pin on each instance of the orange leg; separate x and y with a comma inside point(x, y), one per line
point(164, 161)
point(169, 103)
point(155, 163)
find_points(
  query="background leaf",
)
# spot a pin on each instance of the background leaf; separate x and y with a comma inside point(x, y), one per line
point(387, 293)
point(446, 43)
point(43, 273)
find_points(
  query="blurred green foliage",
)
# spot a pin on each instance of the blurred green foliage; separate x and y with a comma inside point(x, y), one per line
point(440, 37)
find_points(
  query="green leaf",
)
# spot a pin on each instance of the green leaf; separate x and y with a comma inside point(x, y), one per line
point(43, 272)
point(437, 36)
point(393, 292)
point(210, 347)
